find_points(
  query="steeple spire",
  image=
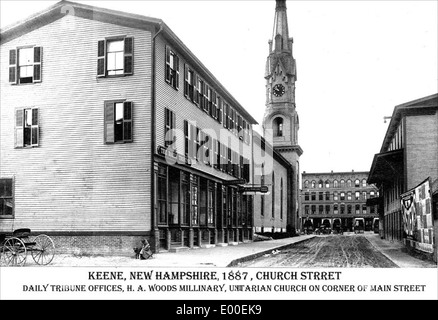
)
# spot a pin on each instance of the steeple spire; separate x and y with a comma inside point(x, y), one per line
point(280, 34)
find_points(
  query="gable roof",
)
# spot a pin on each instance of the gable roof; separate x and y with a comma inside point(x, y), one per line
point(425, 105)
point(154, 25)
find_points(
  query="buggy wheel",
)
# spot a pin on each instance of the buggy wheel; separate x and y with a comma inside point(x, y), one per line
point(14, 252)
point(44, 250)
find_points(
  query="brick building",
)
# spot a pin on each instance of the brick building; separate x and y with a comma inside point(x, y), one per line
point(408, 156)
point(336, 199)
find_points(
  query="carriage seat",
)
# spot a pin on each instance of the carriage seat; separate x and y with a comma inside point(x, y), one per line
point(23, 233)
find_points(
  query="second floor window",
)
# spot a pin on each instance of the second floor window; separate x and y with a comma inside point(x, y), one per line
point(172, 68)
point(26, 128)
point(115, 57)
point(118, 122)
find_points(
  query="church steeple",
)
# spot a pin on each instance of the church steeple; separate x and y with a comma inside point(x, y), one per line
point(281, 118)
point(280, 34)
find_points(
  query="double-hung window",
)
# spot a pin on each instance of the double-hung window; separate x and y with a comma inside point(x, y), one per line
point(118, 122)
point(172, 68)
point(25, 65)
point(170, 125)
point(26, 127)
point(6, 197)
point(115, 57)
point(189, 79)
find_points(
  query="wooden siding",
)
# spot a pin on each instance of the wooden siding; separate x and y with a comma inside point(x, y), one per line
point(73, 181)
point(168, 97)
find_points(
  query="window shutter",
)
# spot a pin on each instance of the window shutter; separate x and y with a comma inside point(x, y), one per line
point(127, 121)
point(13, 66)
point(109, 122)
point(37, 61)
point(186, 84)
point(129, 55)
point(35, 128)
point(167, 70)
point(19, 120)
point(101, 54)
point(177, 72)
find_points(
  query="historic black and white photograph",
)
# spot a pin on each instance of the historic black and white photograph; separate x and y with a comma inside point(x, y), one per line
point(239, 135)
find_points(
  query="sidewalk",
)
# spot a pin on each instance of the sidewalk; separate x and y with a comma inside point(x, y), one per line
point(397, 253)
point(231, 255)
point(203, 257)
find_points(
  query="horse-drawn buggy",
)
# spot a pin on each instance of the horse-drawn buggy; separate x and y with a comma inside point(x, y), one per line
point(15, 247)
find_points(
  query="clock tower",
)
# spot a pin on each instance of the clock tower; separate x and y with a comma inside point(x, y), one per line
point(281, 117)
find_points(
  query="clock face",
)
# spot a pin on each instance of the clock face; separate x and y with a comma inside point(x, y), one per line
point(278, 90)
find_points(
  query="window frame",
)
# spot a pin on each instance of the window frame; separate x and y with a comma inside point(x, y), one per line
point(12, 199)
point(36, 65)
point(102, 56)
point(171, 70)
point(108, 122)
point(169, 125)
point(21, 126)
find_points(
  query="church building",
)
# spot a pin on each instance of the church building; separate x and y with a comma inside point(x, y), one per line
point(280, 121)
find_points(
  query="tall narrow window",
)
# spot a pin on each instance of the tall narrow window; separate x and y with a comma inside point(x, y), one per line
point(26, 128)
point(262, 197)
point(281, 199)
point(161, 186)
point(25, 65)
point(273, 194)
point(6, 197)
point(195, 203)
point(115, 60)
point(189, 83)
point(170, 125)
point(172, 68)
point(118, 122)
point(185, 198)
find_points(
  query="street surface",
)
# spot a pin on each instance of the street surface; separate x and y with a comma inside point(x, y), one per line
point(339, 251)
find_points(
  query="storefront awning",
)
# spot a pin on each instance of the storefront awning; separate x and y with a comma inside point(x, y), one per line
point(386, 167)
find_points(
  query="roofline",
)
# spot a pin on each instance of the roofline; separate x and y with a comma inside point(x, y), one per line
point(334, 172)
point(419, 105)
point(61, 8)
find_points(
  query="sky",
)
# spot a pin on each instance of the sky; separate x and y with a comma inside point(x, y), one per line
point(356, 60)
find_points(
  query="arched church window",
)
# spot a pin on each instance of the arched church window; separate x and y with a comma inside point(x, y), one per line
point(278, 127)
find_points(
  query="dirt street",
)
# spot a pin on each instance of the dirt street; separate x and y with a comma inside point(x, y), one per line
point(326, 251)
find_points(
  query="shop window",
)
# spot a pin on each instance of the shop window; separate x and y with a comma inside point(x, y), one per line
point(162, 195)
